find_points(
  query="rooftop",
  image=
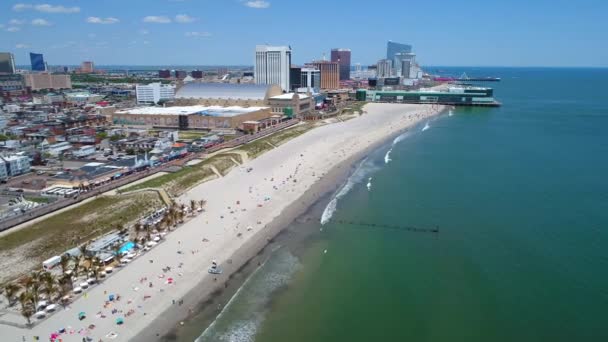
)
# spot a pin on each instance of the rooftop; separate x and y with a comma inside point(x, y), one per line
point(288, 96)
point(195, 90)
point(188, 110)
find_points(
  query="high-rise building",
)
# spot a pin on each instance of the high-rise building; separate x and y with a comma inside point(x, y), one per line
point(164, 73)
point(385, 68)
point(311, 79)
point(180, 74)
point(295, 78)
point(393, 48)
point(37, 61)
point(87, 67)
point(154, 92)
point(330, 74)
point(403, 58)
point(342, 57)
point(7, 63)
point(272, 65)
point(197, 74)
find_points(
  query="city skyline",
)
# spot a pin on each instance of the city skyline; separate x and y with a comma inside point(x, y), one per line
point(499, 34)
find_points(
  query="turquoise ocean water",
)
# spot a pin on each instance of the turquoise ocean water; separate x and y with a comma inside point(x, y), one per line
point(520, 195)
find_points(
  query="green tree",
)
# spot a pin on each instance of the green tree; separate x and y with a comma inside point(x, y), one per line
point(101, 135)
point(10, 290)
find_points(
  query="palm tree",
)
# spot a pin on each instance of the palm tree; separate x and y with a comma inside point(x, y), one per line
point(193, 206)
point(27, 308)
point(83, 249)
point(50, 283)
point(64, 262)
point(116, 249)
point(35, 292)
point(10, 290)
point(76, 265)
point(202, 203)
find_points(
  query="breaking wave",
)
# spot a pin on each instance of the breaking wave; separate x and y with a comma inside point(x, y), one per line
point(241, 318)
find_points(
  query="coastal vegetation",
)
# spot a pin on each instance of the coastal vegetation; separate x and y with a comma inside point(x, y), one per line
point(28, 247)
point(30, 289)
point(257, 147)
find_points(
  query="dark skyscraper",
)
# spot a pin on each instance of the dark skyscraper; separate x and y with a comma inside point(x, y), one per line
point(7, 63)
point(37, 61)
point(164, 73)
point(295, 78)
point(393, 48)
point(342, 57)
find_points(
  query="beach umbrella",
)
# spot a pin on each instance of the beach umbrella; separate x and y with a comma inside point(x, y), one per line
point(109, 269)
point(91, 280)
point(120, 320)
point(82, 316)
point(111, 297)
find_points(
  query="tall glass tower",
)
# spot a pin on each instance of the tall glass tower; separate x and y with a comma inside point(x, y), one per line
point(393, 48)
point(37, 61)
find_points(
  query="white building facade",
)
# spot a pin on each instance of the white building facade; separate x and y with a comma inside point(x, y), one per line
point(154, 92)
point(311, 80)
point(272, 65)
point(385, 68)
point(15, 165)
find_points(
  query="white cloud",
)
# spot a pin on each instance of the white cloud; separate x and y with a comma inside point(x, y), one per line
point(145, 42)
point(184, 19)
point(46, 8)
point(98, 20)
point(13, 29)
point(21, 7)
point(64, 45)
point(156, 19)
point(257, 4)
point(41, 22)
point(16, 22)
point(144, 32)
point(198, 34)
point(21, 46)
point(56, 9)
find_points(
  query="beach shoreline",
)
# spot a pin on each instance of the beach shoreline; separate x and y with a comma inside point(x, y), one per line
point(246, 209)
point(206, 290)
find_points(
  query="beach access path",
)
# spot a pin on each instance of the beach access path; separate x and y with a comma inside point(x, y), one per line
point(240, 209)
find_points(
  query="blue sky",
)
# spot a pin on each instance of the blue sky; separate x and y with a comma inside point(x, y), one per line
point(212, 32)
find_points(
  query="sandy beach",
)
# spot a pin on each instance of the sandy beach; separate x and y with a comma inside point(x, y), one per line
point(244, 210)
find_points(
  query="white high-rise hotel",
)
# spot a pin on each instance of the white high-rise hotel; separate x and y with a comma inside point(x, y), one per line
point(272, 64)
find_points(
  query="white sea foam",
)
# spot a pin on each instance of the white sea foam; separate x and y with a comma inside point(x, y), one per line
point(240, 319)
point(369, 184)
point(365, 167)
point(387, 156)
point(426, 126)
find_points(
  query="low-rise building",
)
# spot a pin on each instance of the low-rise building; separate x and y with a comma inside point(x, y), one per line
point(56, 149)
point(190, 117)
point(81, 98)
point(84, 151)
point(154, 92)
point(47, 81)
point(15, 165)
point(292, 104)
